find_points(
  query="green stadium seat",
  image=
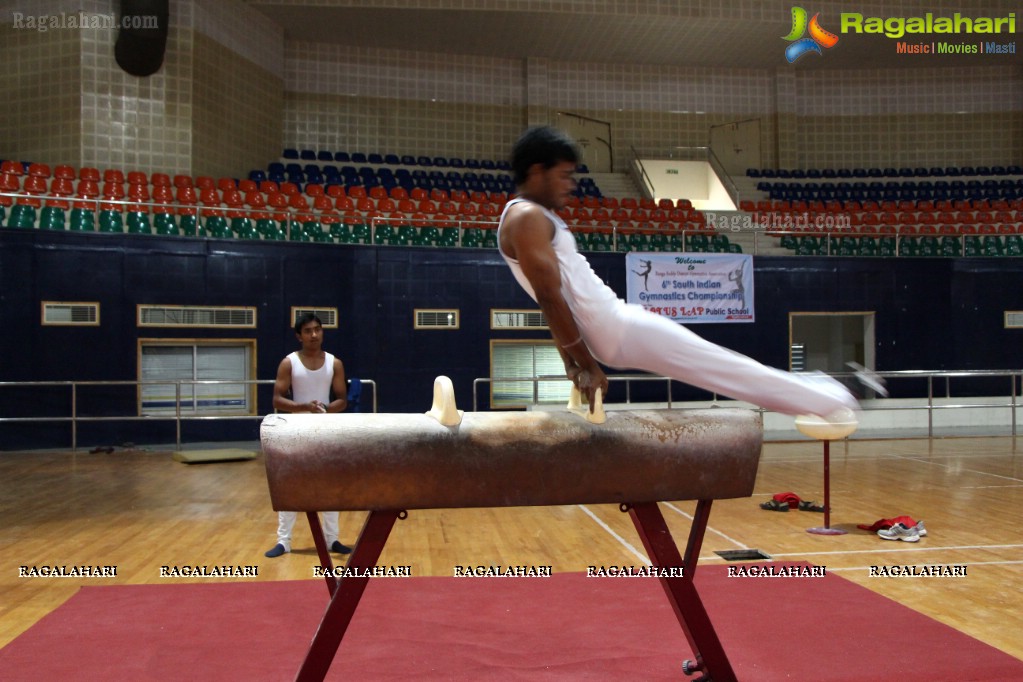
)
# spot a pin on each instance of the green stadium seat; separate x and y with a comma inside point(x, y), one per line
point(241, 223)
point(848, 246)
point(164, 225)
point(908, 247)
point(1014, 245)
point(992, 245)
point(341, 232)
point(927, 246)
point(138, 223)
point(698, 242)
point(82, 220)
point(188, 225)
point(448, 236)
point(868, 246)
point(111, 221)
point(659, 242)
point(51, 218)
point(22, 216)
point(951, 247)
point(600, 241)
point(384, 234)
point(472, 237)
point(361, 234)
point(216, 227)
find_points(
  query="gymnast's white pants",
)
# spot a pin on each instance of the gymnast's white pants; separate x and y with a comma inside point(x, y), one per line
point(633, 338)
point(286, 522)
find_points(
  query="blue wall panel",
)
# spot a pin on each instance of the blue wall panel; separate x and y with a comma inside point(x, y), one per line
point(931, 314)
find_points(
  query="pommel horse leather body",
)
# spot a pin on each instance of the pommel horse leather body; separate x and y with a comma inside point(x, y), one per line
point(389, 463)
point(359, 462)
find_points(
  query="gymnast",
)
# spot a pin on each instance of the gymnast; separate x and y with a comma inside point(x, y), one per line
point(590, 324)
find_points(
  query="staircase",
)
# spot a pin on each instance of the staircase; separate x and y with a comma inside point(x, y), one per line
point(616, 185)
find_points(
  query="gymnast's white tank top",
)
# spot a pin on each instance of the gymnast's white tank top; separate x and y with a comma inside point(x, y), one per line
point(590, 300)
point(308, 385)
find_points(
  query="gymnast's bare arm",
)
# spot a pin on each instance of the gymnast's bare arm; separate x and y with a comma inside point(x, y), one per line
point(526, 236)
point(339, 388)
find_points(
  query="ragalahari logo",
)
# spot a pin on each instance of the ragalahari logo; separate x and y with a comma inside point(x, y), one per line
point(819, 37)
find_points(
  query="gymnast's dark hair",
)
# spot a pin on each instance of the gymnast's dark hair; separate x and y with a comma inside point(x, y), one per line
point(304, 319)
point(544, 145)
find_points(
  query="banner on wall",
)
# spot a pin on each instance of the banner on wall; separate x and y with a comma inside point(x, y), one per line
point(692, 287)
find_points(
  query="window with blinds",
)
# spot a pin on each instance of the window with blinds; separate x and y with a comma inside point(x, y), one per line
point(168, 371)
point(526, 373)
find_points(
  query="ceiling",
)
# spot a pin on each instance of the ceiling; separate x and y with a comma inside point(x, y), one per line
point(681, 37)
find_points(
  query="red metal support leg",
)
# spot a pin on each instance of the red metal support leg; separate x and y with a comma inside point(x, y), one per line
point(322, 551)
point(345, 597)
point(681, 592)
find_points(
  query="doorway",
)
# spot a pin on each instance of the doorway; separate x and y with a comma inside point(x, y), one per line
point(593, 138)
point(827, 341)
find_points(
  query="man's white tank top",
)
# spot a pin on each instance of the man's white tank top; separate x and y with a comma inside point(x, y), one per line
point(590, 300)
point(309, 385)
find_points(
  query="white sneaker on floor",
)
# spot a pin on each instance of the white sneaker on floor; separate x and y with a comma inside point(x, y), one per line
point(899, 532)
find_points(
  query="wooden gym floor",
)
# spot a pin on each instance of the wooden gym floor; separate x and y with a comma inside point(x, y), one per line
point(140, 510)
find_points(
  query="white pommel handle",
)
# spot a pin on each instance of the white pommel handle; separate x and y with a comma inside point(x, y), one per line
point(444, 409)
point(575, 404)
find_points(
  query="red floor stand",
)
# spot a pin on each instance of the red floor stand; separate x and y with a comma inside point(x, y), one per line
point(827, 529)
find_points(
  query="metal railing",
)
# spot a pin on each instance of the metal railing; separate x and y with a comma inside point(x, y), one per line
point(932, 378)
point(179, 415)
point(614, 378)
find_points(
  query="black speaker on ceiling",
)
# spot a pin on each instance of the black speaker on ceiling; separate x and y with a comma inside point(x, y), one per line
point(142, 36)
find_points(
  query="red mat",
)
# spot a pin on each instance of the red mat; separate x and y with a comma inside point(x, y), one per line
point(568, 627)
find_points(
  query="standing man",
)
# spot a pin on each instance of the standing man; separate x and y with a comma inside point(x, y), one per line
point(309, 375)
point(589, 322)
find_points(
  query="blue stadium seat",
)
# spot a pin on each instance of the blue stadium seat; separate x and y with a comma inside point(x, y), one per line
point(456, 162)
point(424, 161)
point(290, 154)
point(358, 157)
point(307, 155)
point(392, 160)
point(257, 175)
point(323, 155)
point(408, 160)
point(342, 157)
point(377, 159)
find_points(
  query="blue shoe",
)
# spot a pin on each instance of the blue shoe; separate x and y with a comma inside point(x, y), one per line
point(276, 551)
point(338, 548)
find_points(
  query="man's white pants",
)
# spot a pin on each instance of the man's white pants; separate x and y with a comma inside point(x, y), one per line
point(638, 339)
point(286, 522)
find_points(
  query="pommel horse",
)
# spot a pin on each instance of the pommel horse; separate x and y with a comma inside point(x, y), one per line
point(389, 463)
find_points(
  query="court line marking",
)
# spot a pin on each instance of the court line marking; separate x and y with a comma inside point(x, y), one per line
point(971, 471)
point(710, 528)
point(622, 541)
